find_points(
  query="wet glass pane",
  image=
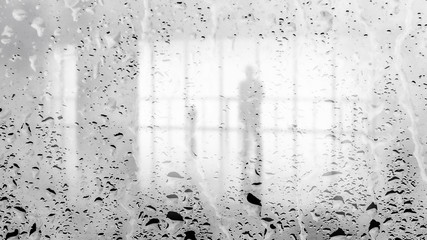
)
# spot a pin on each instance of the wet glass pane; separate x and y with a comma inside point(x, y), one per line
point(213, 119)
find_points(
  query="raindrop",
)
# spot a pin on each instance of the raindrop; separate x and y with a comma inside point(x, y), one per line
point(39, 25)
point(152, 221)
point(252, 199)
point(190, 235)
point(33, 229)
point(374, 229)
point(174, 216)
point(174, 175)
point(19, 14)
point(339, 234)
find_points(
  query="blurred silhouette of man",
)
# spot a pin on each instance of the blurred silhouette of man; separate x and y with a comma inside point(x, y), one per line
point(250, 97)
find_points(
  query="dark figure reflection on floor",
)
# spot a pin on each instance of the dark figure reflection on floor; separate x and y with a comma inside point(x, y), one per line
point(250, 97)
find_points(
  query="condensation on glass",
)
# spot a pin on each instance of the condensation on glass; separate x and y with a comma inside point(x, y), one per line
point(213, 119)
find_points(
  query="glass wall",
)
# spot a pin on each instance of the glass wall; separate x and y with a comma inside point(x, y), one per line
point(213, 119)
